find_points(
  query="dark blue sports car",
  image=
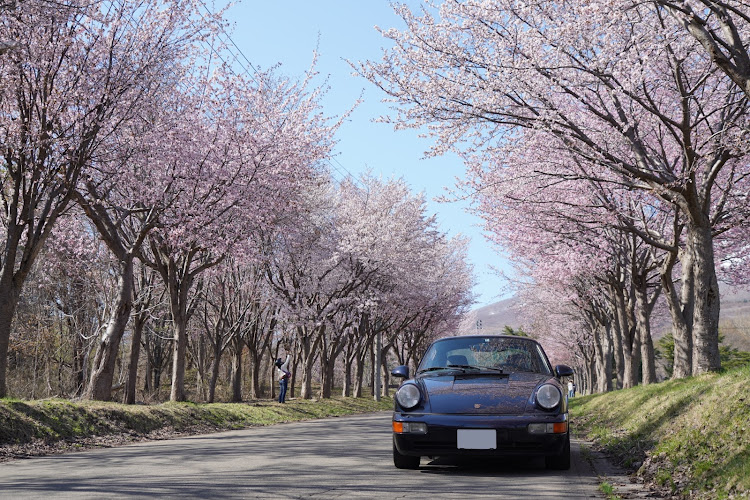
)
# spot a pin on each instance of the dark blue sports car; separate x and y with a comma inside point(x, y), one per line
point(490, 395)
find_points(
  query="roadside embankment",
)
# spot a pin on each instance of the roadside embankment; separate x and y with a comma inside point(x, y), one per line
point(30, 428)
point(688, 437)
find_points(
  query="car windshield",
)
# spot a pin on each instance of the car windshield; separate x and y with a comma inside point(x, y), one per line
point(486, 353)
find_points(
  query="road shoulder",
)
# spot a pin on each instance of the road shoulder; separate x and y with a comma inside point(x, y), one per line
point(602, 469)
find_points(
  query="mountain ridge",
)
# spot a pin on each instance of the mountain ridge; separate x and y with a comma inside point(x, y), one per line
point(734, 322)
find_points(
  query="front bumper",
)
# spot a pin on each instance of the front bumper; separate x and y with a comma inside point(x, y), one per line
point(512, 435)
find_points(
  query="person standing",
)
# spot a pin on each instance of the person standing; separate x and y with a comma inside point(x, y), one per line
point(571, 389)
point(283, 373)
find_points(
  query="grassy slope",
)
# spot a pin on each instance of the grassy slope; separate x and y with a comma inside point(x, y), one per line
point(49, 426)
point(690, 436)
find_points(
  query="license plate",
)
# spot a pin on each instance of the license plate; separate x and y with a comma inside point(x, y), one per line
point(477, 439)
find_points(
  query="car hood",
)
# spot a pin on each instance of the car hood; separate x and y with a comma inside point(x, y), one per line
point(481, 394)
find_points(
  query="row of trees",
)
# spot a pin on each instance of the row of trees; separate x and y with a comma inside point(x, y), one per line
point(358, 260)
point(154, 195)
point(606, 145)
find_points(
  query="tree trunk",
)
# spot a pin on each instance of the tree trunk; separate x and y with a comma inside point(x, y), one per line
point(643, 326)
point(326, 376)
point(178, 282)
point(631, 349)
point(236, 377)
point(360, 353)
point(102, 373)
point(632, 359)
point(384, 373)
point(590, 373)
point(177, 392)
point(215, 366)
point(359, 375)
point(255, 358)
point(309, 352)
point(707, 304)
point(603, 361)
point(308, 361)
point(648, 359)
point(682, 365)
point(79, 360)
point(157, 378)
point(8, 303)
point(618, 350)
point(346, 390)
point(135, 351)
point(329, 353)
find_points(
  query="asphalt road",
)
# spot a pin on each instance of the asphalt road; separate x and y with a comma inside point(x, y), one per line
point(348, 457)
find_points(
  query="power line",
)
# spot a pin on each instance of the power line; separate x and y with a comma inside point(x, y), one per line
point(229, 37)
point(346, 173)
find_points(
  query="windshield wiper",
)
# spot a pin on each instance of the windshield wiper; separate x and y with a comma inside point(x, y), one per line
point(465, 367)
point(462, 368)
point(478, 368)
point(449, 367)
point(433, 368)
point(494, 369)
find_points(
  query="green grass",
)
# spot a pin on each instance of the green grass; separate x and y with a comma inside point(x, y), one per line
point(609, 491)
point(691, 437)
point(56, 420)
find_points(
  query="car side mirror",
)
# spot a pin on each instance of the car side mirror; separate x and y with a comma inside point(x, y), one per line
point(563, 371)
point(401, 371)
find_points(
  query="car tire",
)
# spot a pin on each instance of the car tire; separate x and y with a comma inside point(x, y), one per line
point(404, 461)
point(561, 461)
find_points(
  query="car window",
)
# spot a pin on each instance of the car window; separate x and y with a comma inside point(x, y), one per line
point(509, 354)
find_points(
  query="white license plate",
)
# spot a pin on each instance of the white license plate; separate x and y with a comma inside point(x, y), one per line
point(477, 439)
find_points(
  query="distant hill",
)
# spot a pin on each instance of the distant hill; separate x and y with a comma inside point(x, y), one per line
point(734, 321)
point(494, 317)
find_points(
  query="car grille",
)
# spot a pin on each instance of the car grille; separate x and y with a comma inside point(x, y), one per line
point(428, 446)
point(445, 439)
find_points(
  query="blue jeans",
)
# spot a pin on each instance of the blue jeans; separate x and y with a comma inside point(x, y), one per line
point(283, 383)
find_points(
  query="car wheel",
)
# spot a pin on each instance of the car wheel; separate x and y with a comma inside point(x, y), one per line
point(404, 461)
point(561, 461)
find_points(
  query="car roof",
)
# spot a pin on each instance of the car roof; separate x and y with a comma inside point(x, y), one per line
point(493, 336)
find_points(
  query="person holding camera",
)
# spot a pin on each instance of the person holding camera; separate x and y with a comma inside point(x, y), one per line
point(283, 373)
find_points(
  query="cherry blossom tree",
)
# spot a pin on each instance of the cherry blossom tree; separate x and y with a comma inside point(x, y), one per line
point(251, 147)
point(619, 90)
point(259, 333)
point(563, 236)
point(231, 314)
point(723, 29)
point(312, 278)
point(145, 300)
point(62, 310)
point(423, 281)
point(76, 75)
point(364, 259)
point(238, 311)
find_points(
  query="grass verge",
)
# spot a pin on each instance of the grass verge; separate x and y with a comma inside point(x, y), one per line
point(688, 437)
point(29, 428)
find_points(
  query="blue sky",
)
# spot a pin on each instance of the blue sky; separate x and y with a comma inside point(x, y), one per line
point(287, 32)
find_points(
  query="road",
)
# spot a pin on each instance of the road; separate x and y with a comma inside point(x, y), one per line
point(348, 457)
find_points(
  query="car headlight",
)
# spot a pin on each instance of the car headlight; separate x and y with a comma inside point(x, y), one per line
point(408, 396)
point(548, 396)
